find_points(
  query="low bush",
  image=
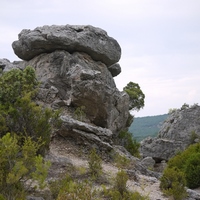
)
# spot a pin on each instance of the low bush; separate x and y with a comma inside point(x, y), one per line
point(120, 182)
point(192, 171)
point(119, 190)
point(67, 188)
point(188, 162)
point(20, 166)
point(95, 164)
point(173, 183)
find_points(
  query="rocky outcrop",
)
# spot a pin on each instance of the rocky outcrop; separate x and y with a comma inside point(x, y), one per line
point(181, 129)
point(74, 81)
point(91, 40)
point(75, 66)
point(86, 133)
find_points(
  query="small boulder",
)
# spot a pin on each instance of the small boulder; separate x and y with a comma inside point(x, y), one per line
point(148, 162)
point(115, 69)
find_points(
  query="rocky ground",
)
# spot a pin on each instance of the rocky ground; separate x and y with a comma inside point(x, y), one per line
point(66, 151)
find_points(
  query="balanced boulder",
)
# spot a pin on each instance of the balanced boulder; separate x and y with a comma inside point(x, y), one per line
point(72, 38)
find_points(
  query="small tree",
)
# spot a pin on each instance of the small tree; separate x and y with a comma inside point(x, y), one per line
point(120, 182)
point(19, 165)
point(95, 164)
point(136, 96)
point(18, 112)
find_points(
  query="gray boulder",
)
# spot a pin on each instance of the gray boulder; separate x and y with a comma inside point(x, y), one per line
point(91, 40)
point(115, 69)
point(148, 162)
point(193, 195)
point(160, 148)
point(6, 65)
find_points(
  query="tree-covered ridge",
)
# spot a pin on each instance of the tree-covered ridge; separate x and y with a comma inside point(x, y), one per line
point(143, 127)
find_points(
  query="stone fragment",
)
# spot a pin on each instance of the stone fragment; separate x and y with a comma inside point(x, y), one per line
point(115, 69)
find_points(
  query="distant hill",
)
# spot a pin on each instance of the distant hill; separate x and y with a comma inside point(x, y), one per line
point(143, 127)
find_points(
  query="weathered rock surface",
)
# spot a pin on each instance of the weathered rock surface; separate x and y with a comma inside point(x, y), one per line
point(115, 69)
point(74, 81)
point(148, 162)
point(91, 40)
point(193, 195)
point(88, 134)
point(181, 129)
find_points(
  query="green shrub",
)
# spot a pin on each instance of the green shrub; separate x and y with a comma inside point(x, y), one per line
point(119, 190)
point(188, 162)
point(192, 171)
point(120, 182)
point(79, 113)
point(129, 143)
point(19, 163)
point(173, 183)
point(95, 164)
point(19, 113)
point(70, 189)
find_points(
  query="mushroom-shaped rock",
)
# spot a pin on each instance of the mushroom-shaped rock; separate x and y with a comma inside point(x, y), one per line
point(72, 38)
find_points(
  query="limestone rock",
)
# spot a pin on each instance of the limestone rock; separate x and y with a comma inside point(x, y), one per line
point(87, 133)
point(181, 129)
point(115, 69)
point(160, 149)
point(91, 40)
point(6, 65)
point(75, 80)
point(148, 162)
point(193, 195)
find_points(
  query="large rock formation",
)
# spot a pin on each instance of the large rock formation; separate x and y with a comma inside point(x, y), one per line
point(93, 41)
point(76, 66)
point(181, 129)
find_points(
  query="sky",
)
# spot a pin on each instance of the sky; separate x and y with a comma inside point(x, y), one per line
point(160, 41)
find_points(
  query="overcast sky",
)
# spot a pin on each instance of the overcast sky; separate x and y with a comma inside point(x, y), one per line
point(160, 41)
